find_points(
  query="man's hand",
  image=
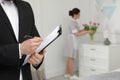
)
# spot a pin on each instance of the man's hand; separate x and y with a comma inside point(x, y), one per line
point(36, 58)
point(29, 46)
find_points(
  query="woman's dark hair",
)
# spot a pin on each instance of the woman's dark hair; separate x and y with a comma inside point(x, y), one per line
point(74, 11)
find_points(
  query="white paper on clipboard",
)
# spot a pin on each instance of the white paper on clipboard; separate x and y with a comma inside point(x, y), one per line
point(47, 41)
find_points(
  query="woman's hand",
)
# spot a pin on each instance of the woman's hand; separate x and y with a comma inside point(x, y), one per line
point(91, 31)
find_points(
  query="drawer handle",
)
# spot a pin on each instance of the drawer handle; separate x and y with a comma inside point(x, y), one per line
point(92, 59)
point(92, 49)
point(92, 69)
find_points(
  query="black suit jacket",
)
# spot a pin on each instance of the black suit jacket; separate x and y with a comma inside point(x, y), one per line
point(9, 49)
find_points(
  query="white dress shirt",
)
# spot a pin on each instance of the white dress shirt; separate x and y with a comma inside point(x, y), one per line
point(12, 14)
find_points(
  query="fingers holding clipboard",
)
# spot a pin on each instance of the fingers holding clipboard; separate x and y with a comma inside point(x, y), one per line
point(47, 41)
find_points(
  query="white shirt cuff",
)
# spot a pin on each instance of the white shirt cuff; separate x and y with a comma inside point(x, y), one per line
point(20, 55)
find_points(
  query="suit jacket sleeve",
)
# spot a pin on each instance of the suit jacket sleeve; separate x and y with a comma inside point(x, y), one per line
point(9, 55)
point(34, 32)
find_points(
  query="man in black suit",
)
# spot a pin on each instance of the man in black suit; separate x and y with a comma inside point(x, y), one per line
point(17, 25)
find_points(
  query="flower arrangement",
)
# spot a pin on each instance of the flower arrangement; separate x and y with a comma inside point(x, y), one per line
point(91, 26)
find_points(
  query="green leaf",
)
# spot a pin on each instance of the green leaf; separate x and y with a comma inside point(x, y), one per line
point(86, 28)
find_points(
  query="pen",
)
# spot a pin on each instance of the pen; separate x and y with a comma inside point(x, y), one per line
point(28, 37)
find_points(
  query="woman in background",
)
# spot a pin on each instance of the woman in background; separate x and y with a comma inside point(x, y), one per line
point(71, 49)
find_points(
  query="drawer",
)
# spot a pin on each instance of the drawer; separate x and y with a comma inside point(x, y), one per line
point(90, 70)
point(94, 48)
point(94, 51)
point(96, 61)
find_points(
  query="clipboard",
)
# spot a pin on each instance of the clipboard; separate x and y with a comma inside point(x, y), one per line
point(47, 41)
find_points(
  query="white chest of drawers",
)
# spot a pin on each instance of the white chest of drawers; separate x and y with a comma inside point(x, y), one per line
point(98, 58)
